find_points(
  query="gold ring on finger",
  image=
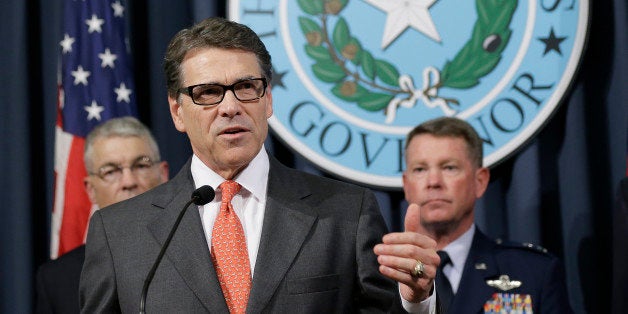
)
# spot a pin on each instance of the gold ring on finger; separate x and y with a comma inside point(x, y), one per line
point(418, 269)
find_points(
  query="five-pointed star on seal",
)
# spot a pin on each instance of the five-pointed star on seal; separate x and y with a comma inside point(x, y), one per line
point(552, 42)
point(403, 14)
point(278, 78)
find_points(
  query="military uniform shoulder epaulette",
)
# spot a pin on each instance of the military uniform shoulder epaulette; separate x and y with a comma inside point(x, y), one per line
point(524, 246)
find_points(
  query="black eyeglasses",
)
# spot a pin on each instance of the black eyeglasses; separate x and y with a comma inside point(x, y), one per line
point(213, 94)
point(111, 173)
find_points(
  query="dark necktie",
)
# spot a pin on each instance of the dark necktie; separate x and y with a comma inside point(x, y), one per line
point(444, 293)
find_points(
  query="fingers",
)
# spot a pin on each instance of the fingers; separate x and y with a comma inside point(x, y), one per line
point(401, 268)
point(397, 261)
point(404, 257)
point(404, 278)
point(411, 238)
point(414, 289)
point(413, 252)
point(399, 253)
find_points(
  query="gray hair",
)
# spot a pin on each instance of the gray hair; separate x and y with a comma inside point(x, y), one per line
point(452, 127)
point(119, 127)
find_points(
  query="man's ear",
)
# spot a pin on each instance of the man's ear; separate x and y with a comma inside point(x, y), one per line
point(269, 101)
point(164, 171)
point(482, 177)
point(405, 185)
point(176, 112)
point(89, 188)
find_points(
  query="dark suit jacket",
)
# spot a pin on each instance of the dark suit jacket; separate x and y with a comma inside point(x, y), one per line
point(315, 254)
point(620, 253)
point(58, 283)
point(540, 273)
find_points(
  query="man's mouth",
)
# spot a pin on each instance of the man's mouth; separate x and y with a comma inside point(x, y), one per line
point(233, 130)
point(434, 201)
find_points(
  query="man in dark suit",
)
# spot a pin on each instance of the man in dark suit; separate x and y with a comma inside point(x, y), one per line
point(110, 148)
point(58, 282)
point(443, 178)
point(274, 240)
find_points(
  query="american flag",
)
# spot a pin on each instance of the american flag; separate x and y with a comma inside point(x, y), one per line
point(95, 84)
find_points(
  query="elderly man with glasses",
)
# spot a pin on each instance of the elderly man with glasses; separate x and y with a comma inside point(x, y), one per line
point(122, 160)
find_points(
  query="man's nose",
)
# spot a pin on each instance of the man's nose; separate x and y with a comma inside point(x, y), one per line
point(128, 178)
point(230, 105)
point(434, 178)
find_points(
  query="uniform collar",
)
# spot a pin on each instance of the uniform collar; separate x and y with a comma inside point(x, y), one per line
point(458, 250)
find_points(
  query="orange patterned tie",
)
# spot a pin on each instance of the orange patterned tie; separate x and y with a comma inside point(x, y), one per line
point(229, 254)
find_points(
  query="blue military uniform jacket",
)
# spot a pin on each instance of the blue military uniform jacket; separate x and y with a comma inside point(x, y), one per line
point(483, 284)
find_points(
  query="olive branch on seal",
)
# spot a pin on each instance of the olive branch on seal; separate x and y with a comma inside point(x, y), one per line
point(376, 84)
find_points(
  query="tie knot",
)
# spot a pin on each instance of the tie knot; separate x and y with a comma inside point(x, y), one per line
point(444, 259)
point(228, 189)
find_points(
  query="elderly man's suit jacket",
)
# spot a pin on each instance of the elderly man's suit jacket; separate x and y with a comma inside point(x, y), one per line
point(58, 283)
point(315, 254)
point(620, 254)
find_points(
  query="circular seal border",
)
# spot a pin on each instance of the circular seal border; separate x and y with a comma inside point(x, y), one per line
point(511, 147)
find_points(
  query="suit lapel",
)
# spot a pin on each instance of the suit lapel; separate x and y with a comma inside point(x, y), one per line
point(188, 250)
point(480, 265)
point(286, 227)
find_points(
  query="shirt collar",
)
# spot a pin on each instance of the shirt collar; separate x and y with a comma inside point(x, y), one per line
point(253, 177)
point(458, 250)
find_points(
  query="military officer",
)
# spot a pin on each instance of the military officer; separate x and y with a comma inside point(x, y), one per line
point(444, 177)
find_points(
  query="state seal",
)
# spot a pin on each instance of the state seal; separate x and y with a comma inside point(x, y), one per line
point(353, 77)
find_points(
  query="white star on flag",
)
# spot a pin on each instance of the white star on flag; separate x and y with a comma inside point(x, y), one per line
point(93, 111)
point(80, 76)
point(403, 14)
point(118, 9)
point(124, 94)
point(66, 43)
point(95, 24)
point(107, 58)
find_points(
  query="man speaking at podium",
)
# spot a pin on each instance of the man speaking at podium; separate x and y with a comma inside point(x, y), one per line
point(272, 240)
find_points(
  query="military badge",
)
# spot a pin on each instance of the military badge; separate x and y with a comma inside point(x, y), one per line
point(503, 283)
point(352, 77)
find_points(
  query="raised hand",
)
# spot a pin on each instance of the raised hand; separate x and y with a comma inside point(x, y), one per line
point(400, 252)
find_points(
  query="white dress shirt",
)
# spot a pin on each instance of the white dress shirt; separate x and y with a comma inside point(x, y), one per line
point(249, 203)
